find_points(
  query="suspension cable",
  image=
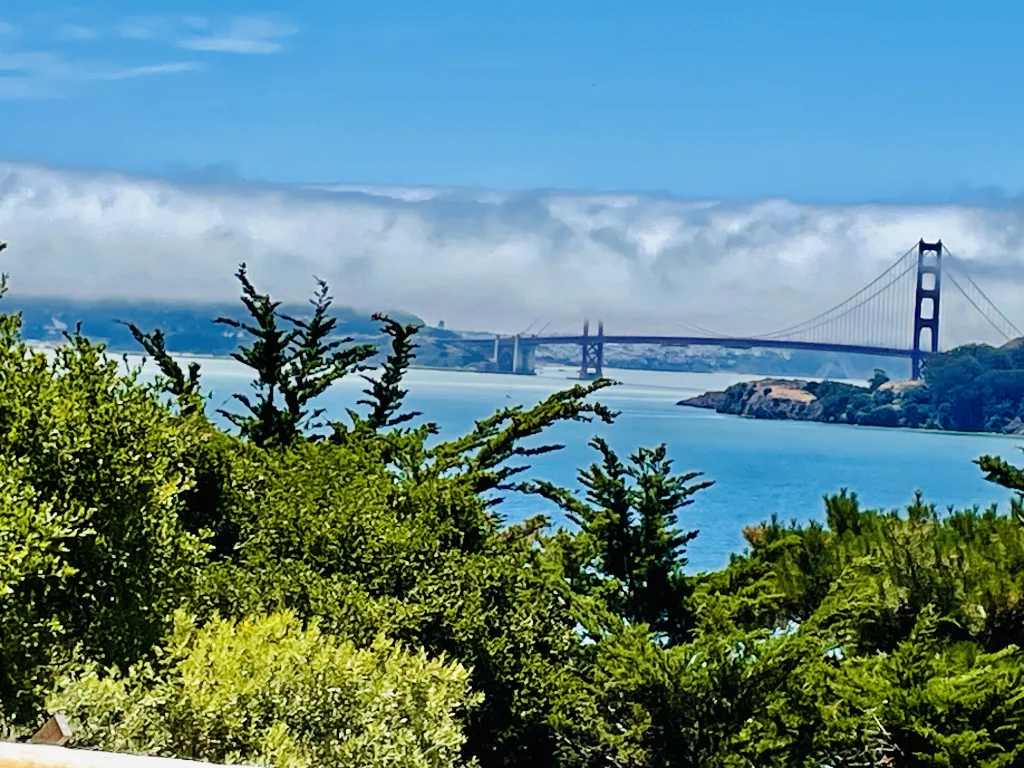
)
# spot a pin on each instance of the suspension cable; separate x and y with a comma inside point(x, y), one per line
point(981, 312)
point(963, 273)
point(800, 326)
point(860, 304)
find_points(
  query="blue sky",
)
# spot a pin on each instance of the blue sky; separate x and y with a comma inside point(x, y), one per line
point(808, 100)
point(833, 105)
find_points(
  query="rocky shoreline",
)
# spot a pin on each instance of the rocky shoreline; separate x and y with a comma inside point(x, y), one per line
point(762, 399)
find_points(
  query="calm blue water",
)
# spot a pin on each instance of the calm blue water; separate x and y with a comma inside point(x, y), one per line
point(759, 467)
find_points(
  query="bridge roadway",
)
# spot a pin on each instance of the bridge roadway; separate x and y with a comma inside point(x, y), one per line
point(694, 341)
point(515, 354)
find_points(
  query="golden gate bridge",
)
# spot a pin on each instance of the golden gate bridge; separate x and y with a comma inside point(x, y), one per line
point(895, 315)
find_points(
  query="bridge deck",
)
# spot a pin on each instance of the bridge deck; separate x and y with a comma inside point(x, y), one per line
point(696, 341)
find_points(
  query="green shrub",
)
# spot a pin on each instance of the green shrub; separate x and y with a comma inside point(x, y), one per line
point(273, 692)
point(94, 474)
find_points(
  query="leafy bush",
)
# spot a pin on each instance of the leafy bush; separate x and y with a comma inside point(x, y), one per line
point(273, 692)
point(94, 478)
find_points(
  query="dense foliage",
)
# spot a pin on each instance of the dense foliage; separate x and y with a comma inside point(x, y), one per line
point(309, 592)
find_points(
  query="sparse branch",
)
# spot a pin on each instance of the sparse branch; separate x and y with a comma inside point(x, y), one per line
point(1001, 472)
point(565, 499)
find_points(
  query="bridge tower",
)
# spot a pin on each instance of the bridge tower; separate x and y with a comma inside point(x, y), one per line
point(926, 302)
point(592, 366)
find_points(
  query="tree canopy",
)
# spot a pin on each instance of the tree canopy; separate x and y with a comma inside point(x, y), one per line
point(320, 589)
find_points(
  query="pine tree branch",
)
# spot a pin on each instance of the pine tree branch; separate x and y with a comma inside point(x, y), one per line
point(1002, 473)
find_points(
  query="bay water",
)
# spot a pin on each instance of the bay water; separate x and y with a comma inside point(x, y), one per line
point(758, 467)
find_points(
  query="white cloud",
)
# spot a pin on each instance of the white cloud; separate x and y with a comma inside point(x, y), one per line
point(24, 89)
point(44, 74)
point(75, 32)
point(486, 260)
point(32, 66)
point(143, 27)
point(242, 34)
point(245, 34)
point(127, 73)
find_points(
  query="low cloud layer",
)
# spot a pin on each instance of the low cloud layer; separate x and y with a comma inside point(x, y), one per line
point(487, 260)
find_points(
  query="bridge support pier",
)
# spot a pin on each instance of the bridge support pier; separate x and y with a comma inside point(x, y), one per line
point(527, 366)
point(926, 303)
point(511, 355)
point(592, 364)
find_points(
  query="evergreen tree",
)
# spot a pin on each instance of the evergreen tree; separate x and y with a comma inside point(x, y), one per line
point(630, 550)
point(315, 362)
point(384, 396)
point(292, 366)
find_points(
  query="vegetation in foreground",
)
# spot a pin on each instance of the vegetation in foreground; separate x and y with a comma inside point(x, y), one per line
point(305, 592)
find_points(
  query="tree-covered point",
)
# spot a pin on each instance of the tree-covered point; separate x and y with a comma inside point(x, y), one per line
point(309, 590)
point(974, 388)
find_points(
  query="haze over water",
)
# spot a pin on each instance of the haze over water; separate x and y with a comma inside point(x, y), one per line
point(759, 467)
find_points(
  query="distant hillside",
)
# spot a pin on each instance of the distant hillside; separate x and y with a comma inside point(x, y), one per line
point(190, 328)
